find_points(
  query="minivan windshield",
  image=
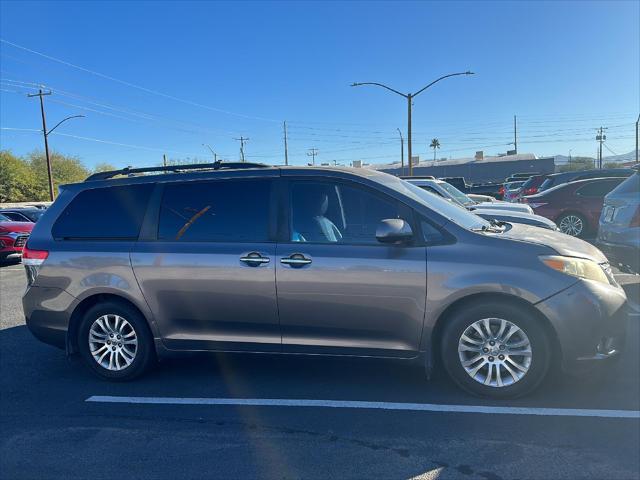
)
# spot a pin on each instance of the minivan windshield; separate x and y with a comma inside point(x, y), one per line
point(451, 211)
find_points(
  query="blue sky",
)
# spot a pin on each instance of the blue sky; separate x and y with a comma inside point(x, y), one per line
point(167, 77)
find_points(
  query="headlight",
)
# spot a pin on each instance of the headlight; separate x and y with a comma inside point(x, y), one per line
point(577, 267)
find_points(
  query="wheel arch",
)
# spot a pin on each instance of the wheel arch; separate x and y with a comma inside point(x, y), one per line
point(85, 305)
point(502, 298)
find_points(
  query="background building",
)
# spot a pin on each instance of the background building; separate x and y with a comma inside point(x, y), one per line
point(477, 169)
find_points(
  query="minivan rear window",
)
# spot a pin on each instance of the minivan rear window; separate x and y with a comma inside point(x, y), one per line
point(109, 213)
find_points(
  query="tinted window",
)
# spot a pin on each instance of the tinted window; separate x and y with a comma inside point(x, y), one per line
point(34, 215)
point(598, 189)
point(548, 183)
point(15, 217)
point(104, 213)
point(220, 211)
point(430, 233)
point(630, 185)
point(339, 213)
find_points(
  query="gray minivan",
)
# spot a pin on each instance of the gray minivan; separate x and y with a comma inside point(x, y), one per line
point(137, 264)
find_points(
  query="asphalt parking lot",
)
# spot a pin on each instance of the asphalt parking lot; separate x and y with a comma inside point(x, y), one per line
point(50, 430)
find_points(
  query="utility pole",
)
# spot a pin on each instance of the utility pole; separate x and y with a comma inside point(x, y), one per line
point(46, 134)
point(401, 152)
point(312, 153)
point(286, 149)
point(41, 94)
point(600, 137)
point(515, 134)
point(242, 141)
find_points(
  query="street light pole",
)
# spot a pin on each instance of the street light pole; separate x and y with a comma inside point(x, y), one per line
point(409, 154)
point(409, 97)
point(215, 155)
point(401, 152)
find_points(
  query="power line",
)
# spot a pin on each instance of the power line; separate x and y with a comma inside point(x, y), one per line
point(133, 85)
point(151, 117)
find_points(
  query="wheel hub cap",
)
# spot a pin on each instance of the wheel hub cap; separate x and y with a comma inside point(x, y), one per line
point(113, 342)
point(495, 352)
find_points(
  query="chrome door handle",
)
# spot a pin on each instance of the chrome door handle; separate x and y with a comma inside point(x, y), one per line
point(296, 260)
point(254, 259)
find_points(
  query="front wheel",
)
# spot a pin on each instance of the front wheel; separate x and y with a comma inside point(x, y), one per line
point(493, 350)
point(115, 341)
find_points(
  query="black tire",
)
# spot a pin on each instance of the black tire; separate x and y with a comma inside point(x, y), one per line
point(566, 216)
point(145, 352)
point(460, 320)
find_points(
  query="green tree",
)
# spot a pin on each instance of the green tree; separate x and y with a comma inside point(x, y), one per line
point(577, 164)
point(103, 167)
point(17, 181)
point(612, 165)
point(435, 144)
point(65, 169)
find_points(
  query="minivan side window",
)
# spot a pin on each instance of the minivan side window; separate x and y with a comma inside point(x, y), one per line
point(215, 211)
point(326, 212)
point(109, 213)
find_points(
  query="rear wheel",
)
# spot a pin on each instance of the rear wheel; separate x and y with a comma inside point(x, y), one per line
point(115, 341)
point(572, 224)
point(494, 350)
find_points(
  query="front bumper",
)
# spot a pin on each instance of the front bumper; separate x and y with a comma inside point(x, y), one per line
point(590, 321)
point(618, 254)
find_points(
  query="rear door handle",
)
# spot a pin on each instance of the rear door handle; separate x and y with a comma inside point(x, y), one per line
point(296, 260)
point(254, 259)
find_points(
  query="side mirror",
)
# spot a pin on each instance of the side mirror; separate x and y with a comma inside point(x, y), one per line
point(393, 230)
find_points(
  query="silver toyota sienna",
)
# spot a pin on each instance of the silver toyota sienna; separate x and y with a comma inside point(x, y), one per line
point(134, 265)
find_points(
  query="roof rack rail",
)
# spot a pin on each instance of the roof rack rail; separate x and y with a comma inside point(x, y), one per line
point(175, 169)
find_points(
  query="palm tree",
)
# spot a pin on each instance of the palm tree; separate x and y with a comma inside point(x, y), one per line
point(435, 143)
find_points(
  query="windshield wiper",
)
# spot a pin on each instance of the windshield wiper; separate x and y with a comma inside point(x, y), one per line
point(493, 226)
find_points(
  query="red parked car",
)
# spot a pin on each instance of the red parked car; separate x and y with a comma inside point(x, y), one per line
point(574, 206)
point(532, 185)
point(13, 236)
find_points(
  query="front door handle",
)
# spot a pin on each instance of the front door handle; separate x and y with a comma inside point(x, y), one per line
point(254, 259)
point(296, 260)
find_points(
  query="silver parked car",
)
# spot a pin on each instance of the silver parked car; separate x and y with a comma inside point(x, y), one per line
point(510, 215)
point(130, 266)
point(619, 226)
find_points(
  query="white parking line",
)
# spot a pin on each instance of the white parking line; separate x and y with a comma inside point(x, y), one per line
point(417, 407)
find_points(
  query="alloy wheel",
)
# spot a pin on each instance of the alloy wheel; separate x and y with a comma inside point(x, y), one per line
point(495, 352)
point(571, 225)
point(113, 342)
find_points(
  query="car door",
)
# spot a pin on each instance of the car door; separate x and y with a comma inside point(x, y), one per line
point(206, 265)
point(340, 291)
